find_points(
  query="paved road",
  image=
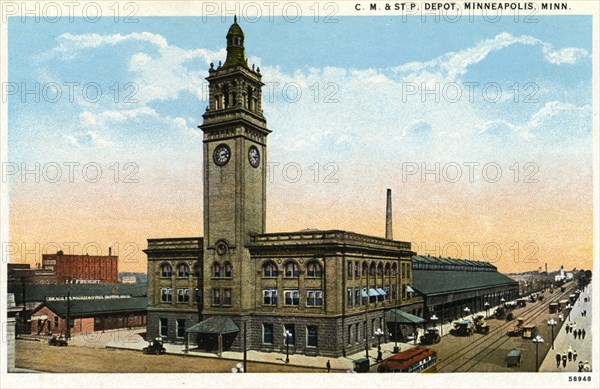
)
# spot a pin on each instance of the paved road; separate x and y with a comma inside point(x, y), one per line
point(563, 340)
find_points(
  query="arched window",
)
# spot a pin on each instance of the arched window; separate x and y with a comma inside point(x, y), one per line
point(380, 269)
point(387, 269)
point(166, 270)
point(364, 269)
point(372, 269)
point(394, 269)
point(217, 270)
point(313, 269)
point(269, 269)
point(291, 269)
point(183, 270)
point(228, 270)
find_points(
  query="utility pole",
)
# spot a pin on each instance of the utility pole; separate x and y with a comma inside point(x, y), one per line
point(68, 332)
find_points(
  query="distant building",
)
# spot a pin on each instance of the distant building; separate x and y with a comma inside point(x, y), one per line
point(23, 273)
point(82, 269)
point(128, 279)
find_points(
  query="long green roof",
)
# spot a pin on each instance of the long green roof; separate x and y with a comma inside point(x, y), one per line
point(432, 282)
point(94, 307)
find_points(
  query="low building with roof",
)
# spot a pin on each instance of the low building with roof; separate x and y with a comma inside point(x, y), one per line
point(450, 285)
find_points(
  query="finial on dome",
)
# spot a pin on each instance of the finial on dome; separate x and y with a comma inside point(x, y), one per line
point(235, 18)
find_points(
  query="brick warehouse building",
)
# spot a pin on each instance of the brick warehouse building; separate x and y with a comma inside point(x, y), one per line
point(329, 290)
point(82, 268)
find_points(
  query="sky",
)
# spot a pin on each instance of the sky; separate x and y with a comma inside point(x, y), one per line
point(482, 130)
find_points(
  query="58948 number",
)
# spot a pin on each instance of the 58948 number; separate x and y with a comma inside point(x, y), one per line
point(578, 378)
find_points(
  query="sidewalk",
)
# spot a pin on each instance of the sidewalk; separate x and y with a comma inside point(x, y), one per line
point(337, 364)
point(563, 340)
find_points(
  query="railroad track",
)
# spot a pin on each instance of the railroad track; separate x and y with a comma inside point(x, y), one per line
point(475, 352)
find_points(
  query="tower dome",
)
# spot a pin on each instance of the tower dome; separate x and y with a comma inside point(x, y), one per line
point(236, 54)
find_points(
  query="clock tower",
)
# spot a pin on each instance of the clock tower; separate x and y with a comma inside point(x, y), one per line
point(235, 148)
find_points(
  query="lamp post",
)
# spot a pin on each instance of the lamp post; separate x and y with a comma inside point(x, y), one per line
point(467, 310)
point(552, 323)
point(378, 334)
point(537, 340)
point(287, 334)
point(502, 300)
point(486, 305)
point(569, 306)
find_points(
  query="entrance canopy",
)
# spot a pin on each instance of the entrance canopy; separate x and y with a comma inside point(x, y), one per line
point(401, 317)
point(214, 325)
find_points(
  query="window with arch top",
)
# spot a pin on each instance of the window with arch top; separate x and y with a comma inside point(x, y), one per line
point(314, 270)
point(270, 269)
point(217, 270)
point(166, 270)
point(291, 269)
point(228, 270)
point(183, 270)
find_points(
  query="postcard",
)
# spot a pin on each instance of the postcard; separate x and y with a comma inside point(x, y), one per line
point(299, 194)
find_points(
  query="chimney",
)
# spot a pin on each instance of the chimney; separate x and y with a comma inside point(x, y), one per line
point(110, 251)
point(388, 216)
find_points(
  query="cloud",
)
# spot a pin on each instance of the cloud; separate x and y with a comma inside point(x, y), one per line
point(87, 138)
point(451, 66)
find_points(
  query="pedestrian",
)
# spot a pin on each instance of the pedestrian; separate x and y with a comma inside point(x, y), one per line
point(328, 365)
point(564, 359)
point(379, 356)
point(558, 360)
point(574, 334)
point(574, 355)
point(570, 353)
point(586, 367)
point(580, 366)
point(579, 332)
point(583, 334)
point(567, 327)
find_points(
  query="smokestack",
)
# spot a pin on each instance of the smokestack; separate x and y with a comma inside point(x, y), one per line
point(546, 267)
point(110, 251)
point(388, 216)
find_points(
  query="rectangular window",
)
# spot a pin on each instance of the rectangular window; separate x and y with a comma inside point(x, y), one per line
point(357, 296)
point(183, 295)
point(312, 336)
point(163, 329)
point(267, 333)
point(356, 270)
point(166, 295)
point(216, 300)
point(291, 338)
point(349, 298)
point(292, 297)
point(180, 328)
point(408, 271)
point(55, 321)
point(387, 292)
point(314, 298)
point(403, 291)
point(270, 297)
point(227, 296)
point(350, 334)
point(349, 273)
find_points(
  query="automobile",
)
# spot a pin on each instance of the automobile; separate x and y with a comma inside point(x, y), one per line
point(462, 328)
point(529, 331)
point(431, 336)
point(481, 326)
point(155, 347)
point(517, 329)
point(60, 341)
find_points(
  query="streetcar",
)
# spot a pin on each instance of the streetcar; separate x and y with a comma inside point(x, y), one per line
point(553, 308)
point(529, 331)
point(419, 359)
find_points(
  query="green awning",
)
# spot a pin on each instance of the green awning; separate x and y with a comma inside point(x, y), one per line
point(401, 317)
point(214, 325)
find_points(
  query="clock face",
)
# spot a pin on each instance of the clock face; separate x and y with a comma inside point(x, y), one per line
point(222, 154)
point(254, 156)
